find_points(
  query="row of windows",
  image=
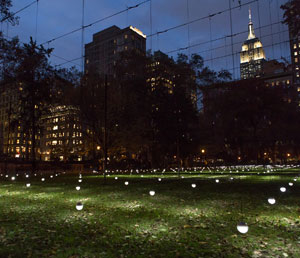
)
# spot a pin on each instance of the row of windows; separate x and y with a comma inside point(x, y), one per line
point(55, 142)
point(57, 135)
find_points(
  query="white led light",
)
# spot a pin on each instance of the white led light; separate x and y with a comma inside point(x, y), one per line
point(152, 193)
point(79, 180)
point(271, 201)
point(126, 183)
point(291, 184)
point(28, 185)
point(43, 179)
point(77, 188)
point(116, 178)
point(13, 178)
point(159, 179)
point(217, 180)
point(51, 176)
point(27, 176)
point(79, 206)
point(242, 227)
point(282, 189)
point(194, 185)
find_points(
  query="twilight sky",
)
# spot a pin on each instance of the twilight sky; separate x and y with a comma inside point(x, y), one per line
point(56, 17)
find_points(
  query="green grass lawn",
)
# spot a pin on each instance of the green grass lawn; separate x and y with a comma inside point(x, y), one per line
point(125, 221)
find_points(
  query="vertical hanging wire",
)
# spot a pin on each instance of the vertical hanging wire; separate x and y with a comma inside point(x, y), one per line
point(151, 42)
point(210, 39)
point(188, 26)
point(36, 20)
point(259, 22)
point(82, 39)
point(270, 15)
point(231, 37)
point(279, 27)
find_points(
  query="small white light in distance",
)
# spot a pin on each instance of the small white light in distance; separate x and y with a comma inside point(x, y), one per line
point(271, 201)
point(194, 185)
point(77, 188)
point(291, 184)
point(79, 180)
point(27, 176)
point(282, 189)
point(43, 179)
point(116, 178)
point(152, 193)
point(13, 178)
point(79, 206)
point(217, 180)
point(159, 179)
point(126, 183)
point(242, 227)
point(51, 176)
point(27, 185)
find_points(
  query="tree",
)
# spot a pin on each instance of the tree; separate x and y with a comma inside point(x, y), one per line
point(6, 14)
point(292, 16)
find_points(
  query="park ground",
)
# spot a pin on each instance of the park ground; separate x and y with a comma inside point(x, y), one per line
point(119, 220)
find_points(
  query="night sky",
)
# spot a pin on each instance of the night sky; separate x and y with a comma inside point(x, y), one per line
point(57, 17)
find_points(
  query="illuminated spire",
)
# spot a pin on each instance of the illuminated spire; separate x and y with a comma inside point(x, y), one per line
point(251, 34)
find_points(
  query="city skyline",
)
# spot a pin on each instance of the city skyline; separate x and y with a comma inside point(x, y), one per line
point(164, 16)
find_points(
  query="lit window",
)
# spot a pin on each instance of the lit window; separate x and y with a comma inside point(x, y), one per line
point(295, 53)
point(295, 46)
point(296, 59)
point(288, 82)
point(125, 36)
point(55, 127)
point(54, 142)
point(298, 89)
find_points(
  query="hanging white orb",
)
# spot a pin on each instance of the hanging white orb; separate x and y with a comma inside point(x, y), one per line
point(79, 180)
point(217, 180)
point(80, 176)
point(6, 175)
point(271, 201)
point(242, 227)
point(295, 179)
point(77, 188)
point(51, 176)
point(79, 206)
point(159, 179)
point(291, 184)
point(27, 176)
point(116, 178)
point(13, 178)
point(126, 183)
point(194, 185)
point(43, 179)
point(28, 185)
point(152, 193)
point(282, 189)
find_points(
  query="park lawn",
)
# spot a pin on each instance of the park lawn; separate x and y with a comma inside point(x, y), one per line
point(125, 221)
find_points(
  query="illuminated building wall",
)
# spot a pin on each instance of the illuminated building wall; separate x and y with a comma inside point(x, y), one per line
point(103, 52)
point(252, 55)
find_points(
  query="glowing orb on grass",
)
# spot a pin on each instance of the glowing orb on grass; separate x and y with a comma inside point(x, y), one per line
point(79, 180)
point(231, 178)
point(43, 179)
point(271, 201)
point(51, 176)
point(217, 180)
point(242, 227)
point(79, 206)
point(77, 188)
point(6, 176)
point(13, 178)
point(27, 176)
point(159, 179)
point(291, 184)
point(116, 178)
point(126, 183)
point(282, 189)
point(295, 179)
point(194, 185)
point(152, 193)
point(28, 185)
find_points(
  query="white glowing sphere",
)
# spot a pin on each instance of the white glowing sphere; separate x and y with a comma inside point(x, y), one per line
point(51, 176)
point(80, 176)
point(27, 176)
point(6, 175)
point(152, 193)
point(55, 174)
point(34, 174)
point(182, 176)
point(28, 185)
point(295, 179)
point(79, 180)
point(217, 180)
point(271, 201)
point(142, 175)
point(291, 184)
point(43, 179)
point(231, 178)
point(126, 183)
point(13, 178)
point(77, 188)
point(242, 227)
point(282, 189)
point(194, 185)
point(159, 179)
point(116, 178)
point(79, 206)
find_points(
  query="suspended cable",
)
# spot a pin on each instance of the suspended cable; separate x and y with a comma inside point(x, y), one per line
point(97, 21)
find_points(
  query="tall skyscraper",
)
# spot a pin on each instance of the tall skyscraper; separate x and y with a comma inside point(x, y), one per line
point(295, 57)
point(252, 55)
point(102, 53)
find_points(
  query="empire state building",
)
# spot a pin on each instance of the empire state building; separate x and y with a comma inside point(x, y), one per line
point(252, 54)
